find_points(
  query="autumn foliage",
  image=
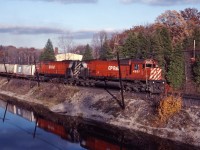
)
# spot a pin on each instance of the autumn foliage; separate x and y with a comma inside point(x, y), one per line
point(168, 107)
point(169, 40)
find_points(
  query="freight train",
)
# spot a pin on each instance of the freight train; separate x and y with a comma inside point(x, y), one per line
point(136, 75)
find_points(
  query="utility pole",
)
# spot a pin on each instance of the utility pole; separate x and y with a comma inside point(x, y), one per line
point(36, 73)
point(194, 51)
point(120, 80)
point(120, 74)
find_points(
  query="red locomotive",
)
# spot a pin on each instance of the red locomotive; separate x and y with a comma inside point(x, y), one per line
point(53, 69)
point(137, 75)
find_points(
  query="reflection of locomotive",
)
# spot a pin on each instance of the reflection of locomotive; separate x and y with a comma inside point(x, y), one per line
point(100, 137)
point(94, 143)
point(137, 75)
point(86, 139)
point(68, 134)
point(52, 127)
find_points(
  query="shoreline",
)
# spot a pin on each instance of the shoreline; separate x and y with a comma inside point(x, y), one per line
point(97, 105)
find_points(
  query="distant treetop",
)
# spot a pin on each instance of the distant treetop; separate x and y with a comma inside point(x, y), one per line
point(48, 53)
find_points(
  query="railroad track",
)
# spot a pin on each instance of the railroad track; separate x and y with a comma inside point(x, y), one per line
point(188, 99)
point(191, 100)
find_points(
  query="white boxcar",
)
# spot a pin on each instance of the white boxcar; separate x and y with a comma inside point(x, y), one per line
point(25, 70)
point(10, 68)
point(2, 68)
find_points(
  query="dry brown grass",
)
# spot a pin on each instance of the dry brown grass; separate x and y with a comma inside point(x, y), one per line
point(48, 93)
point(168, 107)
point(18, 86)
point(54, 93)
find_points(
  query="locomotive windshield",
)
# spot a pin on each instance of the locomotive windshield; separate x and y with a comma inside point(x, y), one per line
point(149, 66)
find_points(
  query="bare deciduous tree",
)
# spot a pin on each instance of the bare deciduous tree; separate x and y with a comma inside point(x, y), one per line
point(66, 43)
point(98, 41)
point(13, 55)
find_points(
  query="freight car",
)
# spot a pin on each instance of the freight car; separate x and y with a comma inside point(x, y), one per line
point(18, 70)
point(137, 75)
point(7, 68)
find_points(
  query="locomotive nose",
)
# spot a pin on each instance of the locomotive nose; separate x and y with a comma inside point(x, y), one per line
point(155, 74)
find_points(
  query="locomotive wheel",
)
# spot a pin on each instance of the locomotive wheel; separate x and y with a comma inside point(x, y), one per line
point(70, 82)
point(74, 83)
point(79, 83)
point(135, 89)
point(86, 83)
point(127, 88)
point(91, 84)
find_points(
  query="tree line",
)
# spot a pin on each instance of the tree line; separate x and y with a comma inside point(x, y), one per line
point(169, 40)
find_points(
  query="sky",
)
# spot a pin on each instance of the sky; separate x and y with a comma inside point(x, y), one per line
point(30, 23)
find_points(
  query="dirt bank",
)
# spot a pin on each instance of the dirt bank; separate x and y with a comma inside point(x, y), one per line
point(99, 105)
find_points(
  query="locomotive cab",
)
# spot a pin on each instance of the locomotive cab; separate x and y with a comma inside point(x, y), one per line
point(153, 72)
point(150, 64)
point(154, 79)
point(144, 69)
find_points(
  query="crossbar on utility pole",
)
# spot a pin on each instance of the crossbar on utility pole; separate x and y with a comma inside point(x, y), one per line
point(120, 80)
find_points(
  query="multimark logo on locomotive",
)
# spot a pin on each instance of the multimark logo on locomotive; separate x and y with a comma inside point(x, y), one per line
point(115, 68)
point(52, 66)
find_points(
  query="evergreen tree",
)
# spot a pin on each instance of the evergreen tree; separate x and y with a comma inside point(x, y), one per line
point(176, 72)
point(106, 51)
point(196, 37)
point(187, 42)
point(196, 67)
point(196, 70)
point(88, 53)
point(157, 50)
point(48, 53)
point(143, 45)
point(166, 44)
point(131, 47)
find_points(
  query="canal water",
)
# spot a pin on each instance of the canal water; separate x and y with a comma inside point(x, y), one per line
point(17, 133)
point(24, 129)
